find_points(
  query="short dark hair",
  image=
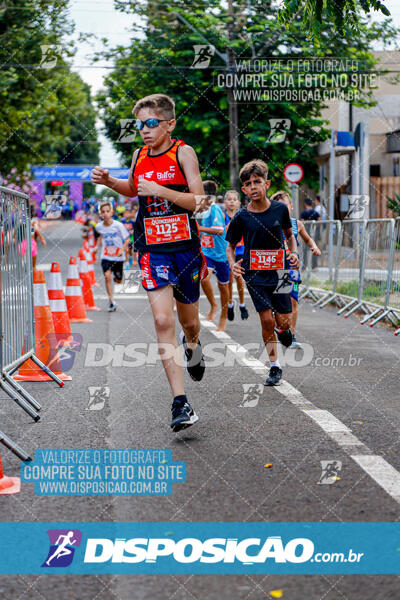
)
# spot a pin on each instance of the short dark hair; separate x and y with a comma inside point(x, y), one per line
point(308, 201)
point(254, 167)
point(210, 187)
point(160, 103)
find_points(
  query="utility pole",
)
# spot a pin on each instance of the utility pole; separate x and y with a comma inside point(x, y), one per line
point(233, 112)
point(229, 60)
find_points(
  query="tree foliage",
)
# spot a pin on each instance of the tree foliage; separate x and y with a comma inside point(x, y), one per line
point(46, 114)
point(160, 58)
point(394, 204)
point(338, 12)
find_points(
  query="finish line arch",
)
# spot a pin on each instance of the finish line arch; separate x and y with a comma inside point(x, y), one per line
point(76, 175)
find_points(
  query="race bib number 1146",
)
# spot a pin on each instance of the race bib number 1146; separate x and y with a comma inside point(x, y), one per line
point(267, 259)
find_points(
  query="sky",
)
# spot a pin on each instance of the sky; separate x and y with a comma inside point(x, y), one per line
point(100, 17)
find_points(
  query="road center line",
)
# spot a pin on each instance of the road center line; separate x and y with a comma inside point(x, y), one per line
point(386, 476)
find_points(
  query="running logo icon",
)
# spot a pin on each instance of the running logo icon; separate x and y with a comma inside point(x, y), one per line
point(285, 285)
point(203, 56)
point(59, 351)
point(251, 394)
point(358, 207)
point(128, 132)
point(50, 55)
point(63, 543)
point(54, 203)
point(330, 472)
point(97, 397)
point(279, 128)
point(132, 282)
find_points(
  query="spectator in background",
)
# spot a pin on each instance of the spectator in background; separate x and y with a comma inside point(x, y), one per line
point(320, 208)
point(36, 234)
point(309, 213)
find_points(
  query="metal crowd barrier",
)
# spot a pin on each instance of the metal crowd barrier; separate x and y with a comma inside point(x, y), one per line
point(394, 296)
point(358, 270)
point(17, 334)
point(322, 269)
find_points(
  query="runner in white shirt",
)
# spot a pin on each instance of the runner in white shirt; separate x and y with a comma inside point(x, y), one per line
point(115, 240)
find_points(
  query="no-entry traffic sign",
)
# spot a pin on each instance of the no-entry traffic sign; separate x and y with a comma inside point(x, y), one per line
point(293, 173)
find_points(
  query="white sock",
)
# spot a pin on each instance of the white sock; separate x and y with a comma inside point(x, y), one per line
point(231, 305)
point(242, 305)
point(274, 363)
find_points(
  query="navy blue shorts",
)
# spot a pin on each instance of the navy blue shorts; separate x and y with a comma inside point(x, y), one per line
point(183, 270)
point(220, 268)
point(264, 298)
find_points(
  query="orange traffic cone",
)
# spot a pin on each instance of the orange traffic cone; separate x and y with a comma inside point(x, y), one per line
point(58, 307)
point(89, 261)
point(86, 283)
point(45, 339)
point(8, 485)
point(73, 295)
point(92, 243)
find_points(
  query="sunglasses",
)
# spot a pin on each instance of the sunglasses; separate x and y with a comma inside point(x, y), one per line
point(150, 123)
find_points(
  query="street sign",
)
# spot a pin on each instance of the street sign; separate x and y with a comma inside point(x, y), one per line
point(293, 173)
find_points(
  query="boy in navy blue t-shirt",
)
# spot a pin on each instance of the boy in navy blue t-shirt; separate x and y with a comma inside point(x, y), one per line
point(263, 224)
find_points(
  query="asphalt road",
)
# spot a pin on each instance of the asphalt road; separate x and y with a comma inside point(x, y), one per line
point(340, 402)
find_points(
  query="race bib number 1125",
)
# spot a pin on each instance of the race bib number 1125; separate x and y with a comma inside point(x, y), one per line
point(162, 230)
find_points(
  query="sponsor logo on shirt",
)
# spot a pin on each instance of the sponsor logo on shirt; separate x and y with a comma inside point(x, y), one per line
point(145, 175)
point(166, 175)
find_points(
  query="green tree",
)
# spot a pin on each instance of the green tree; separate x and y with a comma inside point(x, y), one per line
point(80, 145)
point(394, 204)
point(316, 12)
point(45, 111)
point(160, 58)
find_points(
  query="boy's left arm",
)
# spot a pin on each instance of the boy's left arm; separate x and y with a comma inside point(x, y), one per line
point(308, 239)
point(190, 167)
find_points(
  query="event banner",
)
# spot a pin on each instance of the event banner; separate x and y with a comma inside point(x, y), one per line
point(200, 548)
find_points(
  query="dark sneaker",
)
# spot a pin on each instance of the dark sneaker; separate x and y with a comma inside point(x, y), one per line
point(231, 312)
point(194, 360)
point(244, 313)
point(274, 377)
point(112, 307)
point(295, 344)
point(183, 416)
point(285, 337)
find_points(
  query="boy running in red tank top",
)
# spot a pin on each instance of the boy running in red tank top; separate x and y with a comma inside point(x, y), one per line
point(165, 176)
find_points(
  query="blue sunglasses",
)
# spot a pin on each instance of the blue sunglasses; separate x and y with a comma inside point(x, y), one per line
point(150, 123)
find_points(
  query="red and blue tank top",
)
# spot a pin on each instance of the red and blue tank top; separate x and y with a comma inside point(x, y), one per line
point(162, 226)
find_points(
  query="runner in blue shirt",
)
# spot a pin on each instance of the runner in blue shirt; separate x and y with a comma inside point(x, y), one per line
point(232, 205)
point(214, 245)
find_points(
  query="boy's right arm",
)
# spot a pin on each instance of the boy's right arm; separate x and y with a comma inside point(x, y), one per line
point(121, 186)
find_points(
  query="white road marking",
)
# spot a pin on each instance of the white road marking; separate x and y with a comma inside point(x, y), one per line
point(384, 474)
point(375, 466)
